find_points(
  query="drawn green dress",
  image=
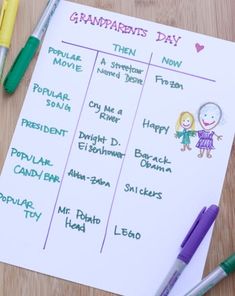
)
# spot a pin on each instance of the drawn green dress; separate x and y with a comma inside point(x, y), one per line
point(185, 134)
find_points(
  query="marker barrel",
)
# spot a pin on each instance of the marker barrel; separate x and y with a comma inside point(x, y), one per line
point(3, 54)
point(208, 282)
point(171, 278)
point(44, 21)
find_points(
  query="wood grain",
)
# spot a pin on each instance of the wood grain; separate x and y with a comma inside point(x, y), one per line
point(211, 17)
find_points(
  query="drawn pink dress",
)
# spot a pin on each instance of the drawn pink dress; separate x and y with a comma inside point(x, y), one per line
point(205, 140)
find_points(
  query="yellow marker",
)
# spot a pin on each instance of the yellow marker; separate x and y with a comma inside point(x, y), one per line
point(7, 21)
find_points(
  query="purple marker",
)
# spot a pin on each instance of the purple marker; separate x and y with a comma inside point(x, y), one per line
point(189, 246)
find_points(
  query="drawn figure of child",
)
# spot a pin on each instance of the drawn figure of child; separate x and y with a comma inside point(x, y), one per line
point(209, 116)
point(185, 128)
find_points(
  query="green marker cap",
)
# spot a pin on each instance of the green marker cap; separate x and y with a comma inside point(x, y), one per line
point(228, 265)
point(20, 65)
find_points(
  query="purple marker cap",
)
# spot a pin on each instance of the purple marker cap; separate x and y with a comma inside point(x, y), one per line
point(197, 232)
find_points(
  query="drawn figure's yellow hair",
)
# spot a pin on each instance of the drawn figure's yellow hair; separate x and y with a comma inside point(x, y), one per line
point(183, 116)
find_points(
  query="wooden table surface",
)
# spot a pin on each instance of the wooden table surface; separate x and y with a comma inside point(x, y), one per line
point(211, 17)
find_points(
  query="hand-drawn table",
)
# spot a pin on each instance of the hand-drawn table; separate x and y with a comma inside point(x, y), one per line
point(212, 17)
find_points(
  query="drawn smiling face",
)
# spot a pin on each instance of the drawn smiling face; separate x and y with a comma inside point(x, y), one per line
point(186, 122)
point(209, 115)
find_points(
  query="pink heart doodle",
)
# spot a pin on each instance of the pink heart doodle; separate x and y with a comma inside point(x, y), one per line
point(199, 47)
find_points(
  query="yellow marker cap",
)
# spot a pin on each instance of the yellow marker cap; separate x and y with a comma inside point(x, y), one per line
point(7, 21)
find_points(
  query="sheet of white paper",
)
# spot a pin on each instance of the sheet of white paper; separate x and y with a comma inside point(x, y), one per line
point(95, 188)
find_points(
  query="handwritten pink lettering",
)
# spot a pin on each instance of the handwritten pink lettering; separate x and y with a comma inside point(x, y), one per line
point(171, 39)
point(107, 24)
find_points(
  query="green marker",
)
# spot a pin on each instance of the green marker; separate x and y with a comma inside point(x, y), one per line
point(223, 270)
point(27, 53)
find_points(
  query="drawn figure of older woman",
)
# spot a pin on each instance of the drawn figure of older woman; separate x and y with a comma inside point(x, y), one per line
point(185, 128)
point(209, 116)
